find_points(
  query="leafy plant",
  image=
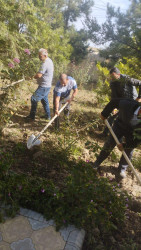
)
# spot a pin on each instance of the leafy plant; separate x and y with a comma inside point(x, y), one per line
point(80, 73)
point(103, 90)
point(79, 200)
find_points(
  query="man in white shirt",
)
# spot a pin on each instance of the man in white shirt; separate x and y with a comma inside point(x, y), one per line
point(62, 92)
point(44, 79)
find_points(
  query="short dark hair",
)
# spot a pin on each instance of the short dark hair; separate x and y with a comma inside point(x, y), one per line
point(115, 70)
point(63, 76)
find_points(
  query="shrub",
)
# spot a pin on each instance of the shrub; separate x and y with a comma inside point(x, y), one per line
point(102, 89)
point(83, 198)
point(81, 72)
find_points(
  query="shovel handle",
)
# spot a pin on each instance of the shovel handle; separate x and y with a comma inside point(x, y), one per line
point(51, 121)
point(123, 152)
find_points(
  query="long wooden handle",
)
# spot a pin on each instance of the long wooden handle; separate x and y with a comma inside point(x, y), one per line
point(123, 152)
point(51, 121)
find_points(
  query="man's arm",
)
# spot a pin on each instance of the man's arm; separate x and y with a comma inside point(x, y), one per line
point(41, 71)
point(73, 95)
point(114, 103)
point(38, 75)
point(57, 99)
point(134, 82)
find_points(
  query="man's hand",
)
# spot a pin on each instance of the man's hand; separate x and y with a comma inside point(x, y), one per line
point(138, 99)
point(38, 75)
point(120, 147)
point(56, 112)
point(114, 112)
point(70, 100)
point(73, 96)
point(102, 117)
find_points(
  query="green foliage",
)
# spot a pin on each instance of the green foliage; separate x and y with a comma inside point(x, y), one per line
point(26, 26)
point(81, 72)
point(74, 9)
point(103, 90)
point(82, 198)
point(122, 31)
point(94, 147)
point(19, 68)
point(41, 24)
point(67, 140)
point(137, 163)
point(5, 111)
point(78, 40)
point(130, 66)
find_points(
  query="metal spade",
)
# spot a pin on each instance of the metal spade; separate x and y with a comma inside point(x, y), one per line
point(33, 140)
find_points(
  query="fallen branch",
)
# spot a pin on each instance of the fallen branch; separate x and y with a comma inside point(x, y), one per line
point(12, 84)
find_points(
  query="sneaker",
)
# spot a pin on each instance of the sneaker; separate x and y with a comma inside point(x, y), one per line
point(123, 173)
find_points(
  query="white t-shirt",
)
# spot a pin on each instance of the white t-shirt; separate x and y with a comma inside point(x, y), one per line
point(64, 91)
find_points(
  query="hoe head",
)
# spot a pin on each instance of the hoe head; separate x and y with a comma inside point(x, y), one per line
point(32, 141)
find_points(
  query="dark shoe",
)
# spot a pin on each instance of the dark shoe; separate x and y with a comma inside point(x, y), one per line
point(102, 135)
point(29, 118)
point(94, 165)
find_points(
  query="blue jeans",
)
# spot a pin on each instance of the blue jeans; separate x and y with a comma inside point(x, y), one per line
point(41, 94)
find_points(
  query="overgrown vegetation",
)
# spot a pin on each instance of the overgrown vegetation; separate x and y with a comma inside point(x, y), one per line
point(57, 179)
point(77, 199)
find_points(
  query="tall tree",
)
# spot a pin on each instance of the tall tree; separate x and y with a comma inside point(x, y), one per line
point(76, 8)
point(24, 25)
point(123, 32)
point(79, 43)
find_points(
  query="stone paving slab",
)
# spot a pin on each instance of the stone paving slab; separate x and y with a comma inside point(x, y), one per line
point(29, 230)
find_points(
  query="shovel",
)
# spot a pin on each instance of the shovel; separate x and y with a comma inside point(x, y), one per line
point(123, 152)
point(33, 140)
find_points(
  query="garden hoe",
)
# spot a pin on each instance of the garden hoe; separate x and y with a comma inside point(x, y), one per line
point(33, 140)
point(123, 152)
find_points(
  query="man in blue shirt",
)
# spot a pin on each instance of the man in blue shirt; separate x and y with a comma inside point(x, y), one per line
point(44, 80)
point(62, 92)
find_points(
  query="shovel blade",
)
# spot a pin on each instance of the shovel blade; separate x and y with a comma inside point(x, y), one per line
point(31, 143)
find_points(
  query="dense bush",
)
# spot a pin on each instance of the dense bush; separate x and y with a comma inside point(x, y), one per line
point(82, 198)
point(102, 88)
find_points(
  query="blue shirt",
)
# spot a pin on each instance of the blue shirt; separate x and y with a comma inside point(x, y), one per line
point(64, 91)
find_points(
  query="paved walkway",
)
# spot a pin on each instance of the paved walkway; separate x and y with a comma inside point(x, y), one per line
point(30, 231)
